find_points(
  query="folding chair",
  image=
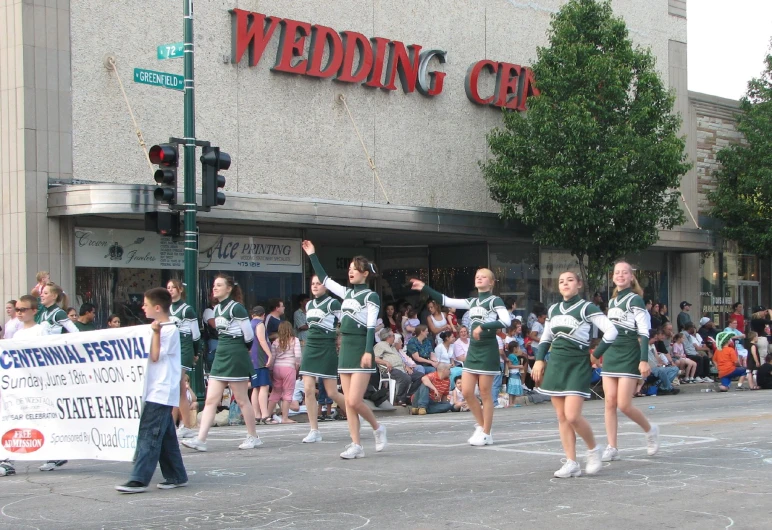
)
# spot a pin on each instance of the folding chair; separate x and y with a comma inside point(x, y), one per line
point(596, 383)
point(386, 378)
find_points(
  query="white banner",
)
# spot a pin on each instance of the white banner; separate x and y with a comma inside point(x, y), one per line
point(104, 247)
point(73, 396)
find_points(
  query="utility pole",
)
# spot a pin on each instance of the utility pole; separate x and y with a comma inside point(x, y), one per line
point(189, 188)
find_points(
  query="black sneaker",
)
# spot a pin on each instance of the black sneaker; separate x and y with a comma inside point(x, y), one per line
point(132, 486)
point(169, 485)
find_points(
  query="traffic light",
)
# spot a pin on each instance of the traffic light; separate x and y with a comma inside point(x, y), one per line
point(167, 157)
point(164, 223)
point(212, 161)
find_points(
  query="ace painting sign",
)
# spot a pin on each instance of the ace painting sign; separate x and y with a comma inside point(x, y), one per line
point(103, 247)
point(375, 62)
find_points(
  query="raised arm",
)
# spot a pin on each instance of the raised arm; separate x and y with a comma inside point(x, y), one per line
point(331, 285)
point(458, 303)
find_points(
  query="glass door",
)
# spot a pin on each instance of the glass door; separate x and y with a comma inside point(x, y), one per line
point(749, 297)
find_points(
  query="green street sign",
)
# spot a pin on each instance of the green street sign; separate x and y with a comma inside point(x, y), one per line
point(162, 79)
point(171, 51)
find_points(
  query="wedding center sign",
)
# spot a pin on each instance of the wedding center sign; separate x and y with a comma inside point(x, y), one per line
point(73, 396)
point(103, 247)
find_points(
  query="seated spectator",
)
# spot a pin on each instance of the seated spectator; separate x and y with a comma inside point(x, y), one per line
point(707, 331)
point(86, 318)
point(737, 337)
point(680, 360)
point(432, 396)
point(727, 361)
point(443, 352)
point(764, 374)
point(420, 349)
point(390, 361)
point(457, 397)
point(698, 353)
point(662, 374)
point(452, 319)
point(461, 346)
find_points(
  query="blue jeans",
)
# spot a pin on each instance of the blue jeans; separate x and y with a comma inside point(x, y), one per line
point(421, 400)
point(157, 444)
point(727, 380)
point(665, 374)
point(496, 387)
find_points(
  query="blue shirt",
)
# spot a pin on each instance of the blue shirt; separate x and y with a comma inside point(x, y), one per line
point(424, 349)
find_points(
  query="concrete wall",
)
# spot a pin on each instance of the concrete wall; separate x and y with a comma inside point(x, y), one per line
point(716, 127)
point(35, 142)
point(289, 134)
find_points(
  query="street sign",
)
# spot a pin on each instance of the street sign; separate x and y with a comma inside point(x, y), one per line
point(171, 51)
point(162, 79)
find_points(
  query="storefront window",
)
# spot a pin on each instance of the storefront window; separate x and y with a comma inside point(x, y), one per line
point(398, 265)
point(719, 285)
point(516, 267)
point(551, 264)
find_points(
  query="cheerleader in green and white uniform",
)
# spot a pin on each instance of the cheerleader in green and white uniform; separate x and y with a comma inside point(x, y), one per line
point(232, 364)
point(483, 359)
point(627, 360)
point(190, 335)
point(320, 356)
point(54, 320)
point(568, 374)
point(359, 315)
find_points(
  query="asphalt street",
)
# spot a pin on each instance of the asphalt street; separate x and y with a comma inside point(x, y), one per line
point(714, 471)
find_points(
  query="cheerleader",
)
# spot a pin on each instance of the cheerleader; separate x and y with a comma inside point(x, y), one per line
point(567, 378)
point(54, 320)
point(320, 357)
point(483, 360)
point(190, 335)
point(52, 317)
point(627, 360)
point(232, 363)
point(359, 315)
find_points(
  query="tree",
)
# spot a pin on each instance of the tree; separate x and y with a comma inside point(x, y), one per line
point(594, 165)
point(743, 192)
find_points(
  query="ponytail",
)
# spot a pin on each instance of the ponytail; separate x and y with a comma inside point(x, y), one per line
point(236, 293)
point(634, 285)
point(61, 296)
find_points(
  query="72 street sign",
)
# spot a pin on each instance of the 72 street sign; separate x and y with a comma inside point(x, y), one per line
point(162, 79)
point(171, 51)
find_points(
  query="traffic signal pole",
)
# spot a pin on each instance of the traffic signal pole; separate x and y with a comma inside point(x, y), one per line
point(189, 188)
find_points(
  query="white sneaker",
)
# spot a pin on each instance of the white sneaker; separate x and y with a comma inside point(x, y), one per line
point(353, 451)
point(195, 443)
point(477, 428)
point(707, 380)
point(184, 432)
point(380, 438)
point(609, 454)
point(479, 439)
point(251, 442)
point(569, 469)
point(593, 462)
point(652, 440)
point(313, 436)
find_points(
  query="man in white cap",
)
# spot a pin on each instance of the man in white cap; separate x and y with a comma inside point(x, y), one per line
point(708, 332)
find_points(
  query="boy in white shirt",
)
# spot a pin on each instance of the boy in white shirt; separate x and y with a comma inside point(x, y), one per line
point(162, 394)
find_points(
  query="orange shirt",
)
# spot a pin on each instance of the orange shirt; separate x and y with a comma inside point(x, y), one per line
point(726, 360)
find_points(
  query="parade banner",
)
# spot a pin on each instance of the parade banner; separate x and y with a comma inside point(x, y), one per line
point(73, 396)
point(106, 247)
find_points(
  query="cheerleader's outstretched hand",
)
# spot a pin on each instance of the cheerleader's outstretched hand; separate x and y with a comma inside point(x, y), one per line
point(645, 369)
point(308, 247)
point(416, 284)
point(367, 360)
point(537, 372)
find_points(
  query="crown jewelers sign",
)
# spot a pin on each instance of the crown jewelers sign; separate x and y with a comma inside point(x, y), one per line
point(73, 396)
point(101, 247)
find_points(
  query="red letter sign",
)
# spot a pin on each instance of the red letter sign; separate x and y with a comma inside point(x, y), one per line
point(354, 42)
point(250, 33)
point(473, 78)
point(320, 36)
point(400, 63)
point(291, 48)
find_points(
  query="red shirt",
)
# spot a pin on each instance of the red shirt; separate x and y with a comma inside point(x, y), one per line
point(442, 385)
point(740, 321)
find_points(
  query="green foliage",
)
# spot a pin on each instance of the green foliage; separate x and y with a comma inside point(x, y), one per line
point(744, 182)
point(594, 165)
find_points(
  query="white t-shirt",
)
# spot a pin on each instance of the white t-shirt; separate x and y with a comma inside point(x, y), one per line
point(35, 331)
point(162, 381)
point(444, 355)
point(539, 329)
point(11, 327)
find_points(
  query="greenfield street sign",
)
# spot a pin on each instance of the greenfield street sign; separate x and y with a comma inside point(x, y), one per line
point(171, 51)
point(162, 79)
